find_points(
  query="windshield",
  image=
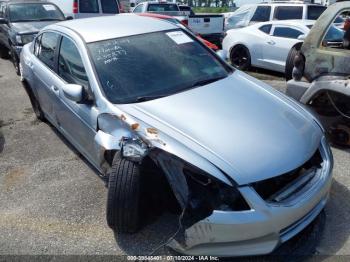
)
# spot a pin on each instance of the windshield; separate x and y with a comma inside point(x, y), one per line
point(162, 7)
point(314, 11)
point(34, 12)
point(144, 67)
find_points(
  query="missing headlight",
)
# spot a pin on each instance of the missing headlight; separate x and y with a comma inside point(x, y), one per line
point(134, 149)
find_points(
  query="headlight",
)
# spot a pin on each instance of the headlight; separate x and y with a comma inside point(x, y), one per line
point(24, 39)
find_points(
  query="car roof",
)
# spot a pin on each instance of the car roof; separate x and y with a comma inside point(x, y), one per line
point(109, 27)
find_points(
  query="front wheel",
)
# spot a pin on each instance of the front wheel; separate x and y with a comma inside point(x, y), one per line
point(240, 57)
point(15, 61)
point(123, 202)
point(290, 62)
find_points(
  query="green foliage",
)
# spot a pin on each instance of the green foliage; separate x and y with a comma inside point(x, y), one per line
point(211, 9)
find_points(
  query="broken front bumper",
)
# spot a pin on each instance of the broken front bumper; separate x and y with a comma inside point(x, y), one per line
point(264, 227)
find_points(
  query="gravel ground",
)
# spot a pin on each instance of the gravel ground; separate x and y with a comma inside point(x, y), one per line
point(53, 202)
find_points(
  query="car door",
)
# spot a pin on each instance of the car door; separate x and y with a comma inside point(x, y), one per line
point(278, 44)
point(76, 120)
point(43, 71)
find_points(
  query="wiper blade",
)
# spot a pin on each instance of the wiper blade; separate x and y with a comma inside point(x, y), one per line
point(146, 98)
point(207, 81)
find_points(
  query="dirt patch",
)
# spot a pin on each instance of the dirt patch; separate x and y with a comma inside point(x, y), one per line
point(14, 177)
point(28, 112)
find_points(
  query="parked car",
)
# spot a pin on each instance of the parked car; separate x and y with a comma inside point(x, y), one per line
point(180, 125)
point(209, 26)
point(179, 23)
point(281, 10)
point(20, 21)
point(321, 75)
point(267, 45)
point(88, 8)
point(264, 45)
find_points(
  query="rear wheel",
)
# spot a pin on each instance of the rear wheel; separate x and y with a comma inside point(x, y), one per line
point(240, 57)
point(123, 203)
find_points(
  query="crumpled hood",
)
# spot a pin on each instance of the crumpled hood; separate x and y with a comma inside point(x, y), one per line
point(242, 126)
point(30, 27)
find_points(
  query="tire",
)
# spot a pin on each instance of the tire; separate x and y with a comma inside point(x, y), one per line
point(15, 61)
point(290, 62)
point(4, 52)
point(35, 103)
point(240, 57)
point(123, 202)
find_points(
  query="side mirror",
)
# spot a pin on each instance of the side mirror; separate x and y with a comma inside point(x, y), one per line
point(73, 92)
point(302, 37)
point(222, 54)
point(69, 18)
point(3, 21)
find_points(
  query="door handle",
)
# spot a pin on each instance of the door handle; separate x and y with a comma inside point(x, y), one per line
point(271, 42)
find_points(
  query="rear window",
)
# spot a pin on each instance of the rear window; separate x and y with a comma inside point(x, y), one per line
point(265, 28)
point(314, 12)
point(162, 7)
point(88, 6)
point(262, 14)
point(288, 12)
point(109, 6)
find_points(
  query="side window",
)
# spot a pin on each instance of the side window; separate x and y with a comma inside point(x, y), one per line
point(288, 12)
point(88, 6)
point(109, 6)
point(265, 28)
point(46, 52)
point(262, 14)
point(138, 9)
point(70, 64)
point(1, 9)
point(287, 32)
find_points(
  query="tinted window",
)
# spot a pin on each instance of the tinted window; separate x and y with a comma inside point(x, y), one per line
point(109, 6)
point(265, 28)
point(46, 52)
point(138, 9)
point(288, 12)
point(175, 63)
point(314, 12)
point(186, 9)
point(262, 14)
point(70, 64)
point(287, 32)
point(88, 6)
point(162, 7)
point(34, 12)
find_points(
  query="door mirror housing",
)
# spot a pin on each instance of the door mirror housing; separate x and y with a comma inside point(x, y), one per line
point(302, 37)
point(222, 54)
point(69, 17)
point(74, 92)
point(3, 21)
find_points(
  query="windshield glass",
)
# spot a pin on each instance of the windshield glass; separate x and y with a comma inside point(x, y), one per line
point(162, 7)
point(144, 67)
point(34, 12)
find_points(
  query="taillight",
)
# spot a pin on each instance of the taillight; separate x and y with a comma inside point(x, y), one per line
point(75, 6)
point(184, 22)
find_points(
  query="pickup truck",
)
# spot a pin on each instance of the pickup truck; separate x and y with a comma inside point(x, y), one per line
point(209, 26)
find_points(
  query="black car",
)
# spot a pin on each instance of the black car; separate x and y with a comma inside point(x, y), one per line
point(20, 21)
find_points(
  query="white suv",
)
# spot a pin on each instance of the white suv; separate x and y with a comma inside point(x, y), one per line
point(264, 12)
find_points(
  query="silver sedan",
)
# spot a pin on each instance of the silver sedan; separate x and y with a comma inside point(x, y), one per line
point(168, 122)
